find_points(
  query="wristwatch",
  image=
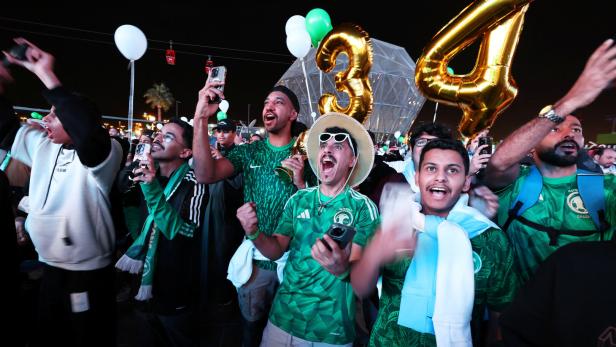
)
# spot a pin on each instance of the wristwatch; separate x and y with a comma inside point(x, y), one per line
point(549, 113)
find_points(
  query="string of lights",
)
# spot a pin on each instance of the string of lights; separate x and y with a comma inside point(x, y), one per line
point(110, 42)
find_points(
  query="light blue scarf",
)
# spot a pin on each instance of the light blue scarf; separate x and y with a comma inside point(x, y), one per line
point(419, 289)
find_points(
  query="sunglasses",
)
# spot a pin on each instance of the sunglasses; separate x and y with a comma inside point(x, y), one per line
point(338, 138)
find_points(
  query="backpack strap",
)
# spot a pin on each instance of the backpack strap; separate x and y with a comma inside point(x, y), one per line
point(528, 196)
point(591, 188)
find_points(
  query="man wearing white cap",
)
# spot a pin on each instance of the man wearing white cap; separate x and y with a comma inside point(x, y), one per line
point(314, 304)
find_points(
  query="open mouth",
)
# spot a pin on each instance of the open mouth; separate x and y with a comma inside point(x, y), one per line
point(270, 117)
point(438, 192)
point(568, 147)
point(328, 164)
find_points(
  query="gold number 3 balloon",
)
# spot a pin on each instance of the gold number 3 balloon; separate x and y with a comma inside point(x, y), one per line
point(355, 42)
point(488, 89)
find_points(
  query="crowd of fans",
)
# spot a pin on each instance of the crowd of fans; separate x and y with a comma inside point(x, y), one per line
point(440, 243)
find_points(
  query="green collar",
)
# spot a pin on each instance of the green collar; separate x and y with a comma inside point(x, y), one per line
point(279, 149)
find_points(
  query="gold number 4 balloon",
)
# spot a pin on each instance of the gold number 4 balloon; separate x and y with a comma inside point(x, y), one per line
point(489, 88)
point(355, 43)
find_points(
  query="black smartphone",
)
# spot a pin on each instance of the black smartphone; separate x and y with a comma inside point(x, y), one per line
point(485, 140)
point(18, 52)
point(217, 74)
point(342, 234)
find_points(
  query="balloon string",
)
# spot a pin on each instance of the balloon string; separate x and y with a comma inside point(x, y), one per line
point(130, 99)
point(435, 109)
point(320, 73)
point(307, 88)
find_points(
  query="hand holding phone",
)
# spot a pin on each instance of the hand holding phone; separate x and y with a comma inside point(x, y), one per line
point(217, 74)
point(485, 140)
point(141, 152)
point(341, 234)
point(18, 52)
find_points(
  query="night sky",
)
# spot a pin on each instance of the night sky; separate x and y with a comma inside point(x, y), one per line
point(557, 39)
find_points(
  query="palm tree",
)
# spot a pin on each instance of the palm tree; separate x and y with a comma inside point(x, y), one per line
point(160, 98)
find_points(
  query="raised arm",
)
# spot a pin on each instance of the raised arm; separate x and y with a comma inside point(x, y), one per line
point(207, 169)
point(599, 71)
point(79, 116)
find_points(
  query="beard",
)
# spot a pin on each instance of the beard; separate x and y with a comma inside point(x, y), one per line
point(553, 157)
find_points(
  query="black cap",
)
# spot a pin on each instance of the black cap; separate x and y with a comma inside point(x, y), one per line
point(225, 124)
point(289, 93)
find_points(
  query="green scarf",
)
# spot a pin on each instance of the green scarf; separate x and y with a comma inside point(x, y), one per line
point(141, 255)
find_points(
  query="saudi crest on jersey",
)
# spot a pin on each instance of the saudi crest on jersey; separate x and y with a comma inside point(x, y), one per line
point(311, 303)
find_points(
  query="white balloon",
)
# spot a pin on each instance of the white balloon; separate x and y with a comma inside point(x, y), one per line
point(159, 126)
point(397, 134)
point(190, 121)
point(295, 23)
point(184, 119)
point(299, 43)
point(224, 106)
point(130, 41)
point(313, 115)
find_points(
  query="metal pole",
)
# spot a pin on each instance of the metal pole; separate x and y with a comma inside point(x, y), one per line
point(307, 87)
point(130, 99)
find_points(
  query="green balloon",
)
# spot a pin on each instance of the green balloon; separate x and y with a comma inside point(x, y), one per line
point(401, 139)
point(385, 148)
point(36, 115)
point(318, 24)
point(450, 71)
point(221, 115)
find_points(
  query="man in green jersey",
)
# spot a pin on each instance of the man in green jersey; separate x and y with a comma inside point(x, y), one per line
point(314, 305)
point(555, 140)
point(264, 191)
point(442, 179)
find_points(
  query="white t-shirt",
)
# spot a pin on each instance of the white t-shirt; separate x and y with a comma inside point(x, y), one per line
point(70, 220)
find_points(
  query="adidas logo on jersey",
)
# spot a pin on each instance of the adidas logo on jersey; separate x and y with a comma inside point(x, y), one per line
point(304, 215)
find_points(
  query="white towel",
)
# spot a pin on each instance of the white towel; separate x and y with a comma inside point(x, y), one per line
point(455, 287)
point(454, 282)
point(240, 265)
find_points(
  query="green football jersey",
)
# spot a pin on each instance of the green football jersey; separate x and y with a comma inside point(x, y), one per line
point(261, 184)
point(496, 283)
point(311, 303)
point(559, 206)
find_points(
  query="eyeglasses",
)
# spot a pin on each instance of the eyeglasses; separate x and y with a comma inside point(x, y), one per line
point(338, 138)
point(168, 138)
point(422, 141)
